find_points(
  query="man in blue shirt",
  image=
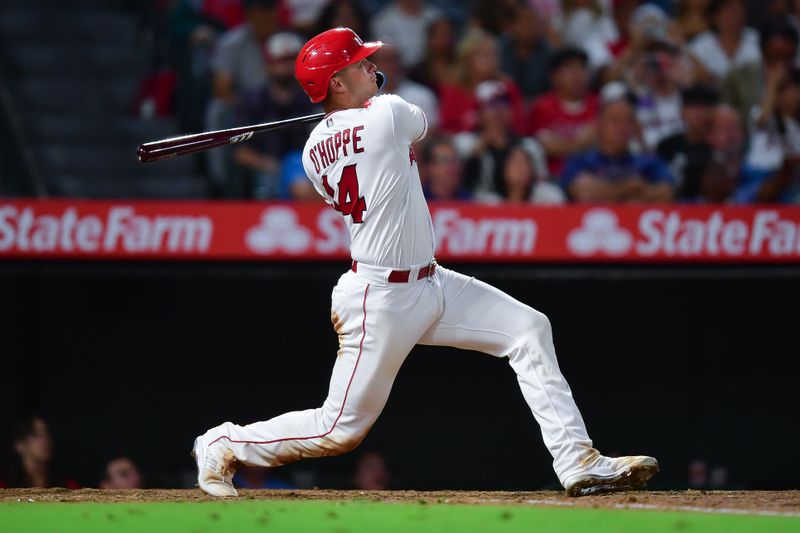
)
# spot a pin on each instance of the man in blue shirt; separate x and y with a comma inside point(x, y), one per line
point(611, 173)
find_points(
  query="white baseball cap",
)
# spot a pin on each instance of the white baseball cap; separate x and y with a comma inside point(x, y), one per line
point(491, 91)
point(283, 44)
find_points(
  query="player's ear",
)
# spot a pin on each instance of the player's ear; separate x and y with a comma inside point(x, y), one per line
point(335, 86)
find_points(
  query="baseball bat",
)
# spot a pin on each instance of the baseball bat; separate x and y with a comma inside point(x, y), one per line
point(189, 144)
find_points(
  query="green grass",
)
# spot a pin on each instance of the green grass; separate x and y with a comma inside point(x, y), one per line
point(357, 516)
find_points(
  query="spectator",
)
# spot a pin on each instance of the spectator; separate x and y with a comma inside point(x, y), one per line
point(588, 27)
point(692, 19)
point(251, 477)
point(192, 34)
point(404, 24)
point(488, 148)
point(229, 12)
point(493, 16)
point(772, 168)
point(237, 66)
point(478, 61)
point(280, 98)
point(238, 61)
point(562, 120)
point(611, 172)
point(122, 473)
point(439, 62)
point(746, 84)
point(657, 86)
point(723, 173)
point(623, 18)
point(688, 152)
point(728, 43)
point(442, 176)
point(648, 31)
point(294, 183)
point(34, 446)
point(525, 178)
point(525, 52)
point(551, 14)
point(387, 60)
point(304, 15)
point(347, 14)
point(371, 472)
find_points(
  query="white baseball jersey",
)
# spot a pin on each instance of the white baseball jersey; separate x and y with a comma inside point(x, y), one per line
point(361, 161)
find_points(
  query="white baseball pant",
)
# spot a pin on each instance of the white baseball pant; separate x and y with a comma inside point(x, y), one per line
point(378, 324)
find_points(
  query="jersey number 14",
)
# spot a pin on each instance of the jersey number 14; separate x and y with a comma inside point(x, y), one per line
point(349, 202)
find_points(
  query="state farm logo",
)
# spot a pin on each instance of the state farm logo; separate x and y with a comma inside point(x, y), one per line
point(279, 230)
point(120, 229)
point(600, 232)
point(460, 235)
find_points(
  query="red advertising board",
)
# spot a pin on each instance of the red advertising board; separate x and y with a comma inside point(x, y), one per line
point(65, 229)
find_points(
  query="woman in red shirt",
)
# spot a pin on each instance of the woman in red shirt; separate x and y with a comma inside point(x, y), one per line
point(478, 60)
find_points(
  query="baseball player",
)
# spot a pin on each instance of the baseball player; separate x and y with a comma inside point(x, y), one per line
point(360, 159)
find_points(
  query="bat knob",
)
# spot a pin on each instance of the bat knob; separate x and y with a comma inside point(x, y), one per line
point(380, 79)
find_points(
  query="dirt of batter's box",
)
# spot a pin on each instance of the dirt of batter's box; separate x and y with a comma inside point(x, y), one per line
point(778, 501)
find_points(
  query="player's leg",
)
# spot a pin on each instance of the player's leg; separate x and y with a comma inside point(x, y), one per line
point(377, 326)
point(480, 317)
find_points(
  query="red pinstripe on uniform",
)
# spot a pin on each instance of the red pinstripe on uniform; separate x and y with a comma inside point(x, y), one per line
point(344, 401)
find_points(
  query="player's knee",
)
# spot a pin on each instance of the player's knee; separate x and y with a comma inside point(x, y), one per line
point(346, 441)
point(537, 322)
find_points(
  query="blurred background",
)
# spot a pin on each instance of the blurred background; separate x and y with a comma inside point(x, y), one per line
point(549, 109)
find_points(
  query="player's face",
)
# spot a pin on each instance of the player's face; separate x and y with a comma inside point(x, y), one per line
point(359, 79)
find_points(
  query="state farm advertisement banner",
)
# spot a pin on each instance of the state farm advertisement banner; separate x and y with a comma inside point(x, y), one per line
point(275, 231)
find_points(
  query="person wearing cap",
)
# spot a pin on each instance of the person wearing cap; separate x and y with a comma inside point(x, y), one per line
point(488, 148)
point(562, 120)
point(279, 98)
point(611, 172)
point(688, 152)
point(649, 33)
point(656, 80)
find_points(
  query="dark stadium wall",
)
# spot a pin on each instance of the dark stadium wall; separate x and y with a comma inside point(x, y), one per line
point(687, 365)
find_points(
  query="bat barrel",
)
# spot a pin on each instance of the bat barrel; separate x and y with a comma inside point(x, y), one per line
point(189, 144)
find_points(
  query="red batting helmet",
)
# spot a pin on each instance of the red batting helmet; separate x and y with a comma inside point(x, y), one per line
point(325, 55)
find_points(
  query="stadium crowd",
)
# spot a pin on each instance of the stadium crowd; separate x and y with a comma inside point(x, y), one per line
point(538, 101)
point(30, 460)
